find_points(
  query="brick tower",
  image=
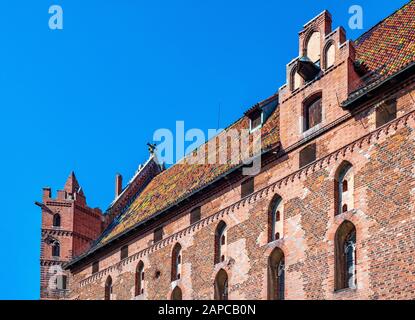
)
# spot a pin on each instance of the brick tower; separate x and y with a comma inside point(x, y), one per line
point(69, 227)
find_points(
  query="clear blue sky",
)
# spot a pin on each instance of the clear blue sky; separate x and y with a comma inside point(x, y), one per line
point(88, 98)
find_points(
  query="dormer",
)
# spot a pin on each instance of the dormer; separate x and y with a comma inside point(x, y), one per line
point(260, 112)
point(317, 80)
point(318, 51)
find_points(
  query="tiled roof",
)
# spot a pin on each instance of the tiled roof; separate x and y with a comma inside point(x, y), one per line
point(385, 49)
point(389, 46)
point(182, 179)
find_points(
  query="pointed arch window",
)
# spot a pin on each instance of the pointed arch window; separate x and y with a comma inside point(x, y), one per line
point(313, 46)
point(176, 262)
point(275, 222)
point(295, 79)
point(108, 288)
point(276, 275)
point(344, 188)
point(345, 254)
point(56, 249)
point(56, 220)
point(220, 242)
point(139, 279)
point(221, 285)
point(177, 294)
point(329, 55)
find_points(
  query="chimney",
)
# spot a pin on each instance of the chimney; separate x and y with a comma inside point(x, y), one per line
point(118, 185)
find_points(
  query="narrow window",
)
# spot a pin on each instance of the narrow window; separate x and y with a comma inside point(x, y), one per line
point(386, 112)
point(313, 47)
point(139, 279)
point(345, 254)
point(56, 220)
point(95, 267)
point(329, 56)
point(221, 285)
point(108, 288)
point(220, 242)
point(56, 249)
point(176, 262)
point(247, 187)
point(275, 223)
point(343, 188)
point(276, 275)
point(124, 252)
point(158, 234)
point(295, 79)
point(313, 113)
point(176, 294)
point(195, 215)
point(61, 281)
point(308, 155)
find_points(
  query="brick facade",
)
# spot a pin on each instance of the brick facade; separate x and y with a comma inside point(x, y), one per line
point(79, 226)
point(381, 206)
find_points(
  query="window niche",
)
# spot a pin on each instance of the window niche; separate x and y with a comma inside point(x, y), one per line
point(329, 55)
point(124, 252)
point(176, 262)
point(386, 112)
point(195, 215)
point(220, 242)
point(158, 234)
point(108, 288)
point(345, 256)
point(276, 275)
point(56, 220)
point(247, 187)
point(344, 188)
point(275, 222)
point(139, 279)
point(221, 285)
point(312, 112)
point(308, 155)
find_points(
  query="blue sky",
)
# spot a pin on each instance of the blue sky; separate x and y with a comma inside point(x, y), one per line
point(89, 97)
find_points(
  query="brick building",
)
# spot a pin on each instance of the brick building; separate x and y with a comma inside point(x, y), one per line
point(330, 215)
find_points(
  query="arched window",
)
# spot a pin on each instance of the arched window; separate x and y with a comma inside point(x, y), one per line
point(345, 254)
point(313, 46)
point(275, 222)
point(176, 262)
point(329, 55)
point(295, 79)
point(343, 188)
point(221, 285)
point(139, 279)
point(313, 111)
point(177, 294)
point(108, 288)
point(56, 249)
point(56, 220)
point(220, 242)
point(276, 275)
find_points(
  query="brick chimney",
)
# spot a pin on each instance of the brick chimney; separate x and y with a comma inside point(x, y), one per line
point(118, 185)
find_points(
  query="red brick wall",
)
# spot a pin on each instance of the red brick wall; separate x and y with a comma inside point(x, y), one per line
point(80, 225)
point(383, 213)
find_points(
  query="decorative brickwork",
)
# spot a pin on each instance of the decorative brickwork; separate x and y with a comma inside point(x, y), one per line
point(337, 239)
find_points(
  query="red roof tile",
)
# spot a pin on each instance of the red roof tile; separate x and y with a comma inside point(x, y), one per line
point(385, 49)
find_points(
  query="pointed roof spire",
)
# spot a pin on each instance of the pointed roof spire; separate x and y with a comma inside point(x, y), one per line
point(71, 185)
